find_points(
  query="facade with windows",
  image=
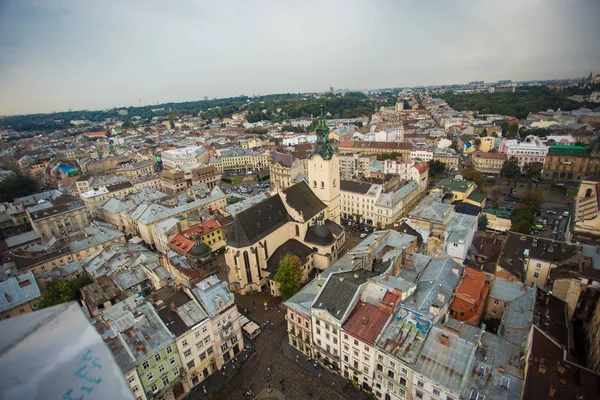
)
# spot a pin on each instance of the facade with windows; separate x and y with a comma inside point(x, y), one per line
point(59, 217)
point(150, 345)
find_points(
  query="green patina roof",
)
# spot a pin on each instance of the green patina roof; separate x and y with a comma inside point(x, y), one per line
point(322, 146)
point(477, 197)
point(454, 185)
point(568, 150)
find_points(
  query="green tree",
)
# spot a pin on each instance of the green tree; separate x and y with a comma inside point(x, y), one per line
point(436, 167)
point(505, 127)
point(511, 170)
point(17, 186)
point(471, 174)
point(534, 198)
point(172, 124)
point(58, 292)
point(482, 222)
point(483, 133)
point(289, 275)
point(533, 169)
point(389, 156)
point(513, 130)
point(522, 219)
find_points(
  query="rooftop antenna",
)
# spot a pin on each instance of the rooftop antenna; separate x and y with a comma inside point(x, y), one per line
point(140, 100)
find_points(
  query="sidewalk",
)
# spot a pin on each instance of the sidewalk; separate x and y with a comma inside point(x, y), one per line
point(331, 379)
point(217, 380)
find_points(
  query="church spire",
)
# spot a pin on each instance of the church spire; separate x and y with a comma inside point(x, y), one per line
point(322, 146)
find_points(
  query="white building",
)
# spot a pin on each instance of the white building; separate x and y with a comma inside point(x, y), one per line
point(423, 154)
point(459, 235)
point(186, 155)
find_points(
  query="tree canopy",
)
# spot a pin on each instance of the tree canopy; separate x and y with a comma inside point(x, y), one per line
point(510, 169)
point(482, 222)
point(471, 174)
point(522, 218)
point(519, 104)
point(17, 186)
point(289, 275)
point(533, 169)
point(58, 292)
point(436, 167)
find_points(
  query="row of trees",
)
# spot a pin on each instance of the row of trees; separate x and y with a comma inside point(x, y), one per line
point(511, 170)
point(518, 104)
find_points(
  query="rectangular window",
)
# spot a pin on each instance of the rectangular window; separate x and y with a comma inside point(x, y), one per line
point(150, 376)
point(157, 357)
point(169, 350)
point(202, 356)
point(161, 368)
point(146, 365)
point(209, 351)
point(131, 380)
point(436, 392)
point(187, 353)
point(176, 371)
point(191, 364)
point(154, 388)
point(172, 360)
point(536, 275)
point(184, 343)
point(165, 380)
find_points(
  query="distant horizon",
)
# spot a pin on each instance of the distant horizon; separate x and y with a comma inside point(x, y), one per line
point(86, 55)
point(281, 93)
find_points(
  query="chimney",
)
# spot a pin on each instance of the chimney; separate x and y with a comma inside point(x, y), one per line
point(444, 339)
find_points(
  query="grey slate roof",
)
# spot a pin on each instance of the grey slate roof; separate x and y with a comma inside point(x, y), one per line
point(505, 290)
point(210, 291)
point(339, 290)
point(292, 247)
point(355, 187)
point(21, 239)
point(302, 199)
point(517, 318)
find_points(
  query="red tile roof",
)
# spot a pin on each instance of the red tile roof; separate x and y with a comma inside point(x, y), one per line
point(184, 240)
point(470, 295)
point(365, 322)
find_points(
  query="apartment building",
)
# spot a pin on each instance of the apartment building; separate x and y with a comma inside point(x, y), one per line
point(351, 147)
point(208, 175)
point(173, 181)
point(567, 163)
point(59, 217)
point(352, 165)
point(284, 169)
point(96, 196)
point(136, 169)
point(219, 304)
point(587, 211)
point(447, 156)
point(358, 201)
point(151, 346)
point(19, 295)
point(187, 155)
point(488, 163)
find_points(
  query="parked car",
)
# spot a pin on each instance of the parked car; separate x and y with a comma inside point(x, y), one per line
point(566, 213)
point(551, 212)
point(363, 235)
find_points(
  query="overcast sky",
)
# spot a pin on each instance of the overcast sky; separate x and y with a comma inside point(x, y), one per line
point(57, 55)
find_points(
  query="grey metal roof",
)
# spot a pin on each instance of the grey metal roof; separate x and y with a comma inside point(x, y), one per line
point(517, 318)
point(17, 291)
point(505, 290)
point(130, 277)
point(302, 300)
point(494, 356)
point(210, 292)
point(339, 290)
point(447, 355)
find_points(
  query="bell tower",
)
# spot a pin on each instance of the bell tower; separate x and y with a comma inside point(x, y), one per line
point(324, 171)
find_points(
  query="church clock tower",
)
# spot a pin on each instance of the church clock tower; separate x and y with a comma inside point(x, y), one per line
point(324, 171)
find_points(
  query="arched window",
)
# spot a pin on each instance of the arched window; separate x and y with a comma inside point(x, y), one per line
point(247, 266)
point(315, 184)
point(322, 185)
point(334, 183)
point(297, 230)
point(588, 193)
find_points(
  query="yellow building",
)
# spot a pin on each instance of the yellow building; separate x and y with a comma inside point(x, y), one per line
point(488, 163)
point(284, 168)
point(173, 181)
point(487, 144)
point(587, 211)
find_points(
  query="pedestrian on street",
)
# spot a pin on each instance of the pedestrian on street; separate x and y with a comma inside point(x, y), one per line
point(320, 376)
point(204, 389)
point(297, 357)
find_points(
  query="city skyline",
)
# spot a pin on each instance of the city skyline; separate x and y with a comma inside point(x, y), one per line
point(70, 55)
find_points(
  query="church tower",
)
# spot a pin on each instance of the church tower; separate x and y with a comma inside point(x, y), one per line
point(324, 171)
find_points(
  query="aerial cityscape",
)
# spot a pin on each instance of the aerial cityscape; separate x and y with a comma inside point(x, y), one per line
point(419, 233)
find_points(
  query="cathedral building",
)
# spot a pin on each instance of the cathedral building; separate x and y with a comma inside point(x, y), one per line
point(301, 220)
